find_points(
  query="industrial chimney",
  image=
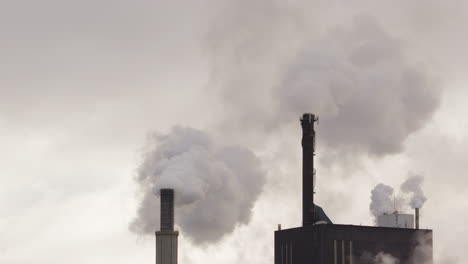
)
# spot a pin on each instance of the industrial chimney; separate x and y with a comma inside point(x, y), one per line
point(308, 171)
point(416, 214)
point(166, 238)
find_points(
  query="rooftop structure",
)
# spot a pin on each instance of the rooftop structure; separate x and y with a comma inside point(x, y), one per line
point(319, 241)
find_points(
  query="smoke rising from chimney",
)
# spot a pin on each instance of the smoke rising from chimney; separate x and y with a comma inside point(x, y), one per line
point(369, 94)
point(381, 200)
point(215, 186)
point(412, 186)
point(385, 200)
point(362, 81)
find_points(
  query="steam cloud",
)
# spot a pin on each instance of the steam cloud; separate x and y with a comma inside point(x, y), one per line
point(215, 186)
point(383, 258)
point(413, 186)
point(361, 80)
point(423, 250)
point(422, 253)
point(383, 198)
point(363, 85)
point(380, 258)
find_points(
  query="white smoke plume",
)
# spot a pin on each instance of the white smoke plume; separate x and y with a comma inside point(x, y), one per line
point(366, 89)
point(412, 186)
point(385, 200)
point(381, 200)
point(380, 258)
point(362, 81)
point(421, 254)
point(383, 258)
point(423, 251)
point(215, 186)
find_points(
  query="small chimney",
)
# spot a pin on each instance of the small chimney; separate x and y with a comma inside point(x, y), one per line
point(416, 216)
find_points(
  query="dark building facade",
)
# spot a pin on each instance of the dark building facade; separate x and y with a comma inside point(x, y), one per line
point(348, 244)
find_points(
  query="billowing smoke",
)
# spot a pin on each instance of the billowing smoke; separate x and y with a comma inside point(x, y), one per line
point(412, 186)
point(362, 81)
point(381, 200)
point(385, 200)
point(422, 253)
point(383, 258)
point(380, 258)
point(364, 86)
point(215, 186)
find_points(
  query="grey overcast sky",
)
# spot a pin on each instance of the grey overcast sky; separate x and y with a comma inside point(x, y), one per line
point(84, 83)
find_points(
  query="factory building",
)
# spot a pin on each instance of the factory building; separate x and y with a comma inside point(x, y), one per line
point(319, 241)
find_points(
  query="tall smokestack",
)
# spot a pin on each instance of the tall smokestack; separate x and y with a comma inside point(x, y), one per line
point(416, 216)
point(167, 209)
point(308, 150)
point(166, 238)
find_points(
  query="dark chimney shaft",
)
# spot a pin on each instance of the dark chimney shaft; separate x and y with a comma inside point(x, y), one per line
point(308, 152)
point(416, 210)
point(166, 238)
point(167, 209)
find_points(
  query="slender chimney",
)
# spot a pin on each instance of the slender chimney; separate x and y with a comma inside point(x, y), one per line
point(416, 215)
point(308, 150)
point(166, 239)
